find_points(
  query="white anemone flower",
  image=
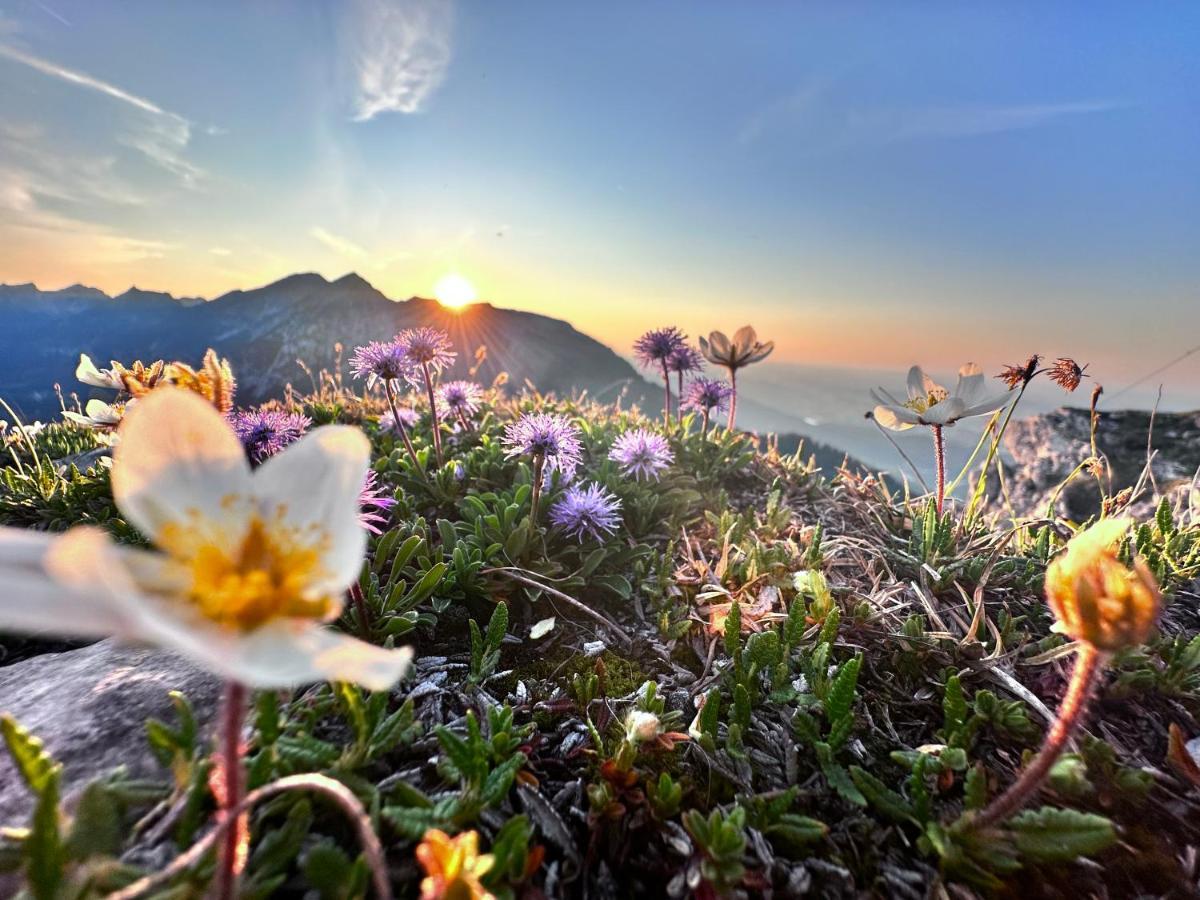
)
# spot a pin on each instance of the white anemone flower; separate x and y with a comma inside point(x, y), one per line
point(88, 373)
point(249, 564)
point(99, 415)
point(931, 404)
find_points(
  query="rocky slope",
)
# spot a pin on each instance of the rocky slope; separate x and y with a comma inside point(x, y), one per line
point(1046, 448)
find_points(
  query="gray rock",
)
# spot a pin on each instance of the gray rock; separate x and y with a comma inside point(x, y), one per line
point(1044, 449)
point(89, 707)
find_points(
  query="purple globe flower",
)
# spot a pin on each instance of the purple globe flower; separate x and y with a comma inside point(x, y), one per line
point(381, 360)
point(654, 348)
point(460, 397)
point(264, 432)
point(409, 417)
point(587, 512)
point(373, 504)
point(685, 359)
point(642, 453)
point(546, 435)
point(707, 394)
point(427, 346)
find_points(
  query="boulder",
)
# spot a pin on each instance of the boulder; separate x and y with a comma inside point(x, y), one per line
point(89, 707)
point(1045, 449)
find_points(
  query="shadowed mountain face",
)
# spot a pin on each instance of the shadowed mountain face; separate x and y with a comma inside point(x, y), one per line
point(265, 331)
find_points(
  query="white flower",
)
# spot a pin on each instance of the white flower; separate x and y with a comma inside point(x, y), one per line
point(640, 726)
point(88, 373)
point(931, 404)
point(98, 414)
point(251, 563)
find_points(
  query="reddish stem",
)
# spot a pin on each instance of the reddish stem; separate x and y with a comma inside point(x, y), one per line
point(732, 398)
point(232, 709)
point(939, 453)
point(1088, 664)
point(360, 607)
point(666, 393)
point(391, 398)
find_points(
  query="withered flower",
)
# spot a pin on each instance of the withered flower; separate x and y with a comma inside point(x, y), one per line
point(1067, 373)
point(1097, 598)
point(213, 380)
point(1014, 376)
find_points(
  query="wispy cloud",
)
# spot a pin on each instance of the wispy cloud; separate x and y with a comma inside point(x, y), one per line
point(400, 49)
point(340, 245)
point(163, 136)
point(814, 117)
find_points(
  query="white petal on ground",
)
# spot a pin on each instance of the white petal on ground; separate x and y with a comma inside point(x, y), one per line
point(316, 482)
point(179, 463)
point(541, 628)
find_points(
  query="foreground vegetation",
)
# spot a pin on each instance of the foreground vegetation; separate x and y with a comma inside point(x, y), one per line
point(736, 676)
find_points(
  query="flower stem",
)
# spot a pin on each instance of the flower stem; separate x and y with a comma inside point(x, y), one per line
point(679, 400)
point(360, 607)
point(1089, 663)
point(704, 424)
point(391, 398)
point(666, 393)
point(437, 431)
point(939, 453)
point(228, 865)
point(539, 464)
point(732, 398)
point(981, 485)
point(463, 421)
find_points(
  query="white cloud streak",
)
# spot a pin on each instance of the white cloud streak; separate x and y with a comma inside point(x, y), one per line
point(339, 245)
point(162, 139)
point(400, 51)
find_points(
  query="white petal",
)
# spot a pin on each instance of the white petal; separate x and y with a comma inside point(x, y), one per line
point(945, 413)
point(541, 628)
point(916, 383)
point(971, 384)
point(986, 406)
point(314, 486)
point(283, 653)
point(87, 373)
point(897, 418)
point(58, 584)
point(179, 464)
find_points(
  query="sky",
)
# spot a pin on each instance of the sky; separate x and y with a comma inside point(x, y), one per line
point(867, 184)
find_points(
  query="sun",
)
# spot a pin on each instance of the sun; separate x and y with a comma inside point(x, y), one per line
point(454, 291)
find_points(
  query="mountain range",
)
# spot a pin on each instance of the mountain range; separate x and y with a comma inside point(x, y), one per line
point(265, 331)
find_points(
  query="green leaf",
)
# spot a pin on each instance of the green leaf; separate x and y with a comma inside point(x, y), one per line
point(44, 855)
point(975, 787)
point(35, 765)
point(1058, 835)
point(840, 702)
point(954, 706)
point(882, 797)
point(497, 626)
point(837, 776)
point(97, 829)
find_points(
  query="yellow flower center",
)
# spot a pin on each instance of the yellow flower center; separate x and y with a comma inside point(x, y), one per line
point(265, 577)
point(932, 398)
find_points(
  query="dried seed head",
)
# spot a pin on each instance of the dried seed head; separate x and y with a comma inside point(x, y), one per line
point(1067, 373)
point(1095, 597)
point(1015, 376)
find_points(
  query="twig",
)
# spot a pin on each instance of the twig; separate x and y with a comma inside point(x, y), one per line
point(516, 575)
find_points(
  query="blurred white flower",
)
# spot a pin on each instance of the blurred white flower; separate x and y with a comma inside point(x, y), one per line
point(99, 415)
point(249, 564)
point(641, 726)
point(931, 404)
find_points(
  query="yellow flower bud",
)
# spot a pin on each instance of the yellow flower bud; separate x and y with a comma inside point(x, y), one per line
point(1095, 597)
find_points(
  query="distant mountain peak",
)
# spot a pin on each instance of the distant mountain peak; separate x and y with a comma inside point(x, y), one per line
point(353, 280)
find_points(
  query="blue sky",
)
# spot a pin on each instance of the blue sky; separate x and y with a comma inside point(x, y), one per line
point(866, 183)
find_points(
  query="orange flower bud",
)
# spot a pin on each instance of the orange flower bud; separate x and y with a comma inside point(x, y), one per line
point(453, 866)
point(1095, 597)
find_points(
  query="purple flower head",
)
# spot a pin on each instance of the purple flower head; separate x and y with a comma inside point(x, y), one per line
point(654, 348)
point(409, 417)
point(460, 397)
point(642, 453)
point(264, 432)
point(386, 360)
point(685, 358)
point(707, 394)
point(550, 436)
point(373, 504)
point(592, 511)
point(427, 346)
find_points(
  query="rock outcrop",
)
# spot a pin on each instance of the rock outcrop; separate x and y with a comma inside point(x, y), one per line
point(89, 707)
point(1045, 449)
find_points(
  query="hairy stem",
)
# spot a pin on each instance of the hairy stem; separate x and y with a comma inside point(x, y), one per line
point(732, 398)
point(228, 865)
point(539, 465)
point(391, 398)
point(433, 413)
point(1089, 663)
point(679, 399)
point(939, 454)
point(666, 393)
